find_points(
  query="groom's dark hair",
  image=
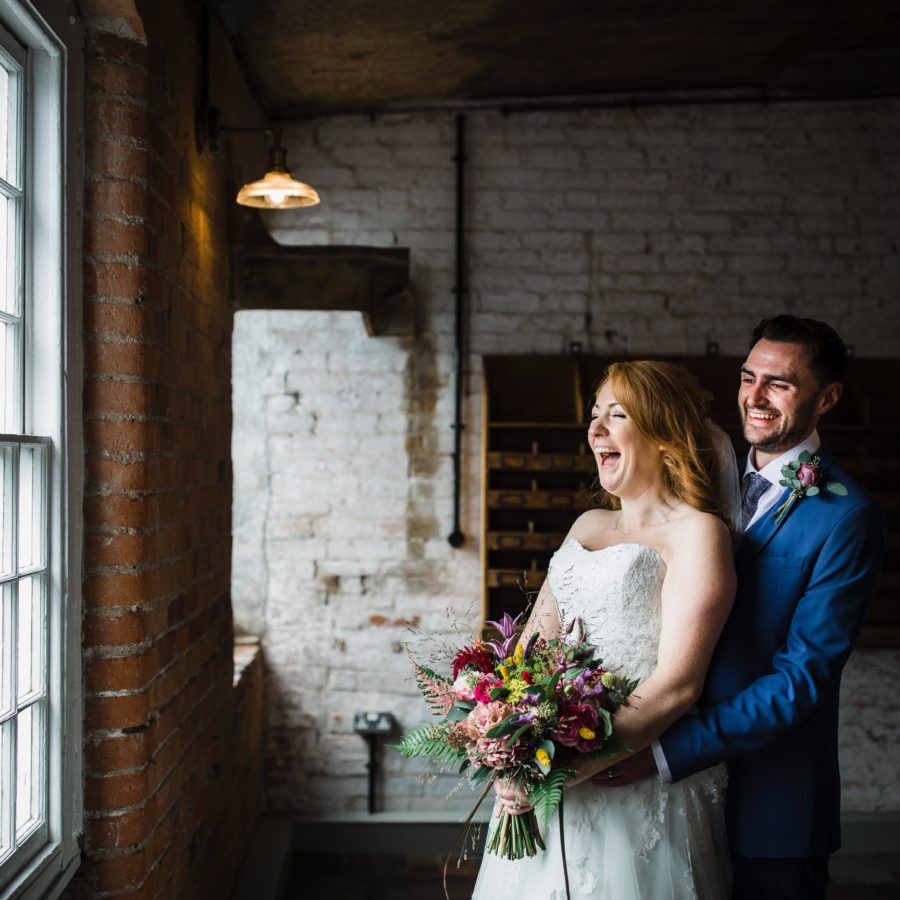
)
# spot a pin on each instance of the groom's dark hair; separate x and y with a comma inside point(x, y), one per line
point(828, 353)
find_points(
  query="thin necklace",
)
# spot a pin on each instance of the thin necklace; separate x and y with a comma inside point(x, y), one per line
point(633, 530)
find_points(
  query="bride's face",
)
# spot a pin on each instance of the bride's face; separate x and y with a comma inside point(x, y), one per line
point(627, 462)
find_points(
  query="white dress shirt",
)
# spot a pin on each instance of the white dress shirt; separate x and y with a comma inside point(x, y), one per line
point(772, 473)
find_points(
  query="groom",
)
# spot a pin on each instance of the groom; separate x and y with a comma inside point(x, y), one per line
point(770, 704)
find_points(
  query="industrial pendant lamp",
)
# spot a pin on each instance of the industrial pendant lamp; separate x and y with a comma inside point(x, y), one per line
point(277, 189)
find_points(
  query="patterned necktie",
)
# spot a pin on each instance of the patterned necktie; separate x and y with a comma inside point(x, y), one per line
point(754, 487)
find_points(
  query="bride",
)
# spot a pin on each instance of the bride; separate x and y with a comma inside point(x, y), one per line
point(652, 581)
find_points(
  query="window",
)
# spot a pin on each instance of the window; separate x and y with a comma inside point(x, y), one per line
point(40, 716)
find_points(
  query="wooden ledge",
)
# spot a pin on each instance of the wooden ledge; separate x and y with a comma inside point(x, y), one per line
point(373, 280)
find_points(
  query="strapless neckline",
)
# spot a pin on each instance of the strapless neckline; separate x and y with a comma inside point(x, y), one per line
point(638, 544)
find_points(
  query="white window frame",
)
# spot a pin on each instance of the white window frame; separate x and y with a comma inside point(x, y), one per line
point(53, 171)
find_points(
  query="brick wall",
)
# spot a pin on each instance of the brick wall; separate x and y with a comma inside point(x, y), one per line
point(629, 231)
point(170, 798)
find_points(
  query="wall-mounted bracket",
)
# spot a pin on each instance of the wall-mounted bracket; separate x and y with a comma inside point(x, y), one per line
point(373, 280)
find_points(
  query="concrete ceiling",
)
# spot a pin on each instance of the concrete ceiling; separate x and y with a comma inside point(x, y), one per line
point(312, 57)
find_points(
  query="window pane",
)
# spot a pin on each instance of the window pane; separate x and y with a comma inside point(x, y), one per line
point(29, 773)
point(4, 120)
point(10, 104)
point(7, 788)
point(4, 116)
point(10, 270)
point(7, 254)
point(7, 653)
point(10, 387)
point(31, 507)
point(31, 626)
point(7, 509)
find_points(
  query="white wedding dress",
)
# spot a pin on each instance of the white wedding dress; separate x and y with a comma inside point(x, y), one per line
point(645, 841)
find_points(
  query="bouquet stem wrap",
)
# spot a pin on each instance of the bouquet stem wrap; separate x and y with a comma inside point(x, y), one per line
point(516, 836)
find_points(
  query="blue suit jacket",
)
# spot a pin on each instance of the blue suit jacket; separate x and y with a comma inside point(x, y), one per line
point(770, 704)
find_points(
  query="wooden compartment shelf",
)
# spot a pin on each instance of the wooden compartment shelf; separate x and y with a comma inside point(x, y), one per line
point(515, 578)
point(539, 500)
point(540, 462)
point(537, 471)
point(523, 540)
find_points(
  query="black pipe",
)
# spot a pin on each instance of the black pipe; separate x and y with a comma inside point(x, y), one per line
point(456, 537)
point(638, 100)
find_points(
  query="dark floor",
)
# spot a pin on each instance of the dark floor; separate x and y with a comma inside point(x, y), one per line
point(865, 877)
point(396, 877)
point(340, 877)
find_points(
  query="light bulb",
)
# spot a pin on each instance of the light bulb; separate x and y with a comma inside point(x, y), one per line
point(276, 198)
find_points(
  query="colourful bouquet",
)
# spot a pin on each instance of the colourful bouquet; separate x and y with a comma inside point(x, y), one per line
point(523, 713)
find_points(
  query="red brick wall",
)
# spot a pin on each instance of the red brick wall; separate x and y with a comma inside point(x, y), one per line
point(168, 809)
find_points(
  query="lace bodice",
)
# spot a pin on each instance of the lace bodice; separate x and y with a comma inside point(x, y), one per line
point(616, 592)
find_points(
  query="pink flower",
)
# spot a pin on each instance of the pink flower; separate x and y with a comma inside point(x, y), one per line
point(807, 474)
point(495, 755)
point(491, 752)
point(461, 687)
point(484, 717)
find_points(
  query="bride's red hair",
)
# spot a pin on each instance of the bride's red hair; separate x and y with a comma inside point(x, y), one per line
point(667, 406)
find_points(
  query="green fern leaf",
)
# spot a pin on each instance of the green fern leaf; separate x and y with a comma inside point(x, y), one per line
point(430, 741)
point(546, 793)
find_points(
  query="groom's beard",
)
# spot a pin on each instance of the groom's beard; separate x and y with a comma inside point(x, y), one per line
point(792, 429)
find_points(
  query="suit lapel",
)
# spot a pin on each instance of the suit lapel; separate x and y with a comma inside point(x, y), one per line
point(761, 532)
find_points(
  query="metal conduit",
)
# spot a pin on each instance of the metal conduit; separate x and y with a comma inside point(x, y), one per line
point(456, 537)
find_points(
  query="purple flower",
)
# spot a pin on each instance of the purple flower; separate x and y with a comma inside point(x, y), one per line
point(526, 718)
point(507, 627)
point(584, 685)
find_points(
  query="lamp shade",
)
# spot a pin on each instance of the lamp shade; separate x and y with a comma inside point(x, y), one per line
point(277, 189)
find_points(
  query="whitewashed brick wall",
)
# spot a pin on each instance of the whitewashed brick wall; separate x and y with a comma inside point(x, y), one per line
point(632, 231)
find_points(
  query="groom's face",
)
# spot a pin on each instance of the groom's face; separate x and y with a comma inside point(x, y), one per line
point(780, 398)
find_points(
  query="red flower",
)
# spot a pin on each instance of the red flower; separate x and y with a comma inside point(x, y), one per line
point(477, 657)
point(527, 677)
point(484, 687)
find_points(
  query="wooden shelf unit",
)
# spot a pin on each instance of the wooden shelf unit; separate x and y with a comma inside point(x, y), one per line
point(537, 471)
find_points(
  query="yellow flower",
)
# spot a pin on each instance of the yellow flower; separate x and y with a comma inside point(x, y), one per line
point(543, 757)
point(520, 653)
point(586, 734)
point(504, 672)
point(517, 688)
